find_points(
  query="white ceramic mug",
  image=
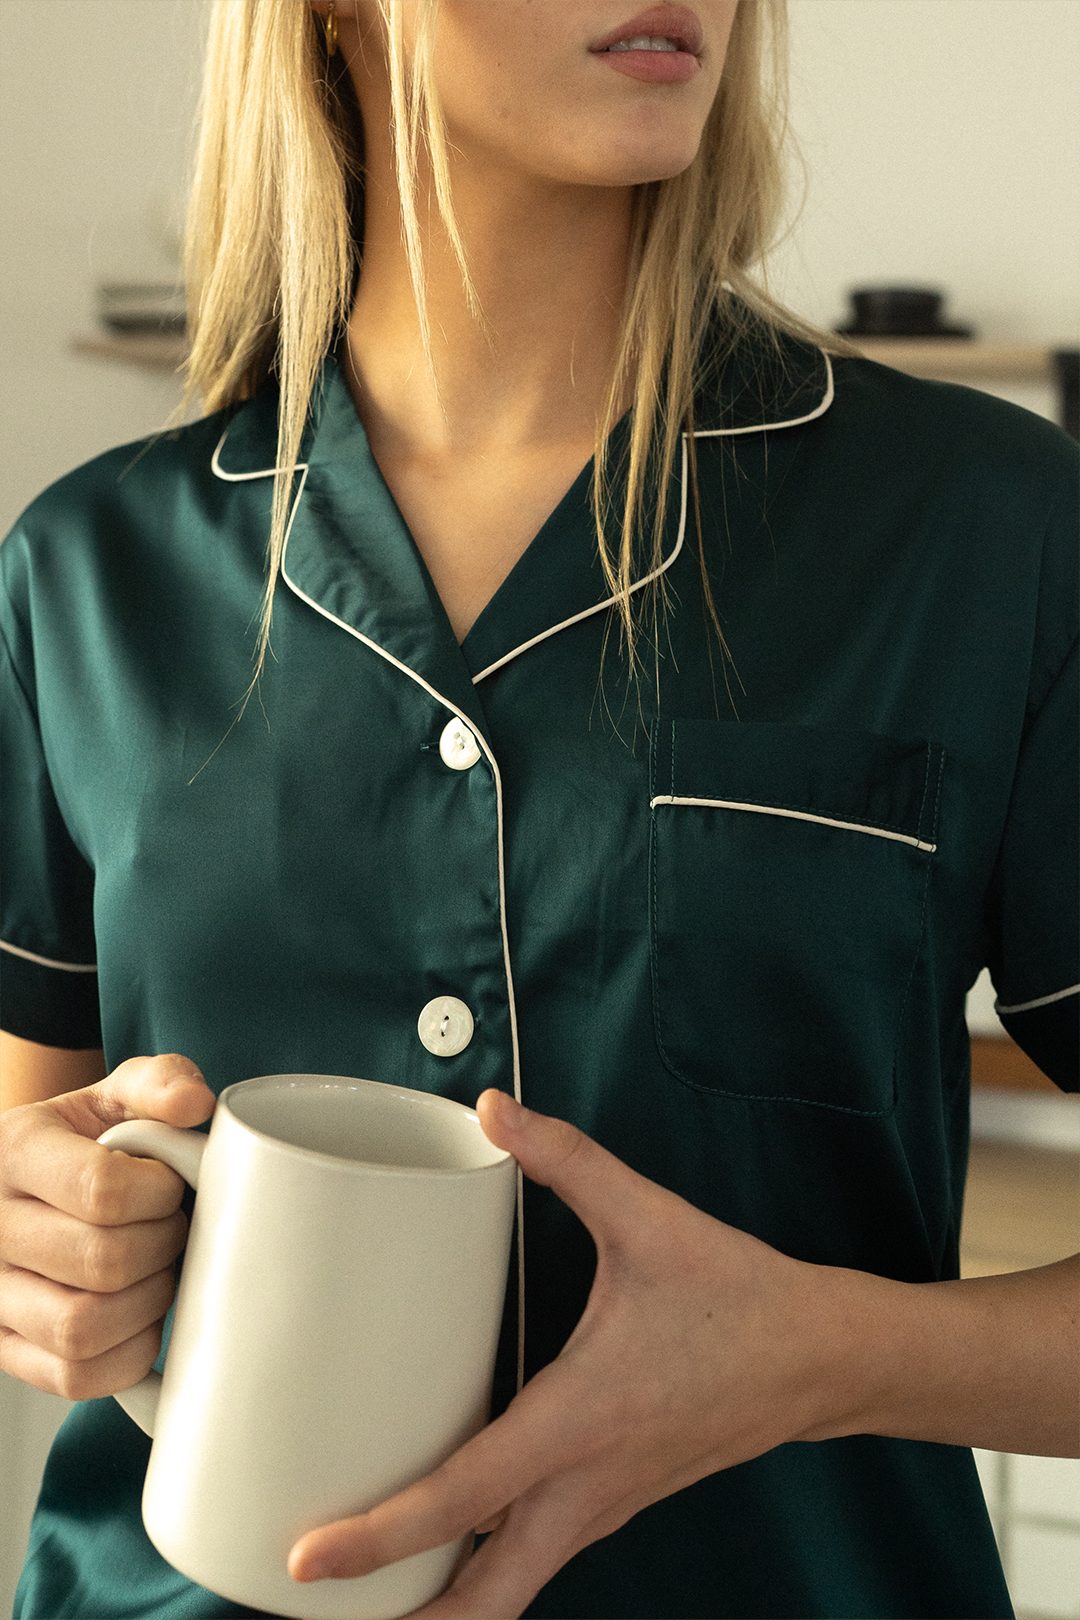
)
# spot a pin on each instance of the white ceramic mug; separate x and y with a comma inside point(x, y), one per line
point(335, 1329)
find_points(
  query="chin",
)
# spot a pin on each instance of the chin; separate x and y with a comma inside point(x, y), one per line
point(638, 160)
point(647, 170)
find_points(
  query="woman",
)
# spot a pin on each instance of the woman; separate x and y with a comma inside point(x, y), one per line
point(706, 778)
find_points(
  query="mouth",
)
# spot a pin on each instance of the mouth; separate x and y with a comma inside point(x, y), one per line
point(661, 44)
point(663, 29)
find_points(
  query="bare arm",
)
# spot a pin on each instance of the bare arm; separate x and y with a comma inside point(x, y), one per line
point(990, 1361)
point(30, 1073)
point(700, 1348)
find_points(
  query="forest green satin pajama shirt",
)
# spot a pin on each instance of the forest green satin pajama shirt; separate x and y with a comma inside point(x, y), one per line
point(723, 916)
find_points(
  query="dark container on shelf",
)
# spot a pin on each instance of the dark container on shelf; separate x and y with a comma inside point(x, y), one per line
point(1067, 370)
point(913, 312)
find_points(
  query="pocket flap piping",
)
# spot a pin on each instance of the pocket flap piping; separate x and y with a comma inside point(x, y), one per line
point(796, 815)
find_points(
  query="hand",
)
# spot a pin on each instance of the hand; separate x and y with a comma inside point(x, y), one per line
point(87, 1236)
point(695, 1351)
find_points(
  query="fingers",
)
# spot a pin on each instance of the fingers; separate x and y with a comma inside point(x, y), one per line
point(492, 1523)
point(535, 1537)
point(168, 1087)
point(104, 1259)
point(502, 1578)
point(48, 1149)
point(78, 1344)
point(596, 1185)
point(44, 1159)
point(88, 1237)
point(75, 1324)
point(421, 1517)
point(86, 1380)
point(471, 1488)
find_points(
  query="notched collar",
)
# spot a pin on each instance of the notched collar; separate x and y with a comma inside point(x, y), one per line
point(760, 381)
point(350, 555)
point(248, 444)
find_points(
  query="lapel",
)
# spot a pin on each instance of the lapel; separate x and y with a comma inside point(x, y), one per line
point(348, 553)
point(756, 385)
point(350, 556)
point(758, 382)
point(558, 579)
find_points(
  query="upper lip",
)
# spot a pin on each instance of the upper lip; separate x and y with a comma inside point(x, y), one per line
point(659, 22)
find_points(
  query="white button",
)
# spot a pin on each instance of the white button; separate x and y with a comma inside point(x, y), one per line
point(458, 747)
point(445, 1026)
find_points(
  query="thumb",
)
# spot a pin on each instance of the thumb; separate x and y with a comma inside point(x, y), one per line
point(169, 1088)
point(552, 1152)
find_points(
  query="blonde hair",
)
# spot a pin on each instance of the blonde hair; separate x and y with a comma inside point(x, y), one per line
point(272, 261)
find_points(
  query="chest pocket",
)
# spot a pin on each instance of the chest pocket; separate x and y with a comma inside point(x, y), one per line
point(789, 873)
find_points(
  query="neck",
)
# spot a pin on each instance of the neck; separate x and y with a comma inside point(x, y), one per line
point(548, 264)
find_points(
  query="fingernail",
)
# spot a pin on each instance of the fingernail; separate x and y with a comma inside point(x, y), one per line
point(190, 1073)
point(510, 1112)
point(318, 1571)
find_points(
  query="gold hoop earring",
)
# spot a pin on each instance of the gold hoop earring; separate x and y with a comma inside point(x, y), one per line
point(331, 31)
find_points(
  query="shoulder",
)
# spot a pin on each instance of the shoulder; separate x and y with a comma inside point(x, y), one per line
point(125, 475)
point(863, 442)
point(139, 540)
point(998, 484)
point(938, 499)
point(980, 495)
point(139, 500)
point(968, 438)
point(867, 428)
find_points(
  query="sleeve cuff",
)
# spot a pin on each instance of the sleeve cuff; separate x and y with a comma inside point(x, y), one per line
point(1050, 1035)
point(48, 1005)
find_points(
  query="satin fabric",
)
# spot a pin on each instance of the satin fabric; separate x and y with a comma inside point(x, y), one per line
point(755, 998)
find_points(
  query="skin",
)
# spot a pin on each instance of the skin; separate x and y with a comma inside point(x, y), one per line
point(87, 1237)
point(700, 1347)
point(545, 145)
point(32, 1073)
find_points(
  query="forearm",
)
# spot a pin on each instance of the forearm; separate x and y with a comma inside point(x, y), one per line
point(32, 1073)
point(990, 1361)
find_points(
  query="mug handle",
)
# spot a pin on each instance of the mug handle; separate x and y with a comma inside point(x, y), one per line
point(182, 1151)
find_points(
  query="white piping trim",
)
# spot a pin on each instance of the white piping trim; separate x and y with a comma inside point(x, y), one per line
point(599, 607)
point(411, 673)
point(795, 815)
point(242, 478)
point(1040, 1001)
point(703, 433)
point(46, 961)
point(769, 427)
point(700, 433)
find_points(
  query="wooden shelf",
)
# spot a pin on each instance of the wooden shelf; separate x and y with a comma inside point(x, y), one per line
point(960, 360)
point(997, 1061)
point(947, 358)
point(1021, 1208)
point(149, 353)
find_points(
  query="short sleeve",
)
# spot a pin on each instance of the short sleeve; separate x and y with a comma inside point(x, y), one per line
point(1034, 957)
point(48, 979)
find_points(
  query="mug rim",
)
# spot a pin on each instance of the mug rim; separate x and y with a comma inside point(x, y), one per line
point(346, 1082)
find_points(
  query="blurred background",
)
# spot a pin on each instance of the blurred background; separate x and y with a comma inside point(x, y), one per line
point(940, 145)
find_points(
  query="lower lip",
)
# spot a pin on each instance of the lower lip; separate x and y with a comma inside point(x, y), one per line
point(652, 67)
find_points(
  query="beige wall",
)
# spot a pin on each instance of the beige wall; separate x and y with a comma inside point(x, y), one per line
point(942, 139)
point(96, 101)
point(942, 143)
